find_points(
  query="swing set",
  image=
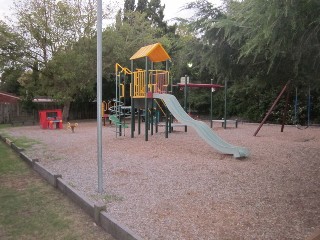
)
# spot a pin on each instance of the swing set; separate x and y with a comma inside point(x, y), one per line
point(297, 110)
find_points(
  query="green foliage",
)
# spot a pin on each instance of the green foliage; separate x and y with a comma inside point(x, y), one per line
point(278, 34)
point(153, 11)
point(24, 142)
point(257, 46)
point(11, 58)
point(199, 99)
point(51, 27)
point(68, 74)
point(142, 6)
point(9, 82)
point(129, 6)
point(11, 47)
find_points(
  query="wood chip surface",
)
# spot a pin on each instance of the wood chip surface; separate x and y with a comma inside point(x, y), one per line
point(181, 188)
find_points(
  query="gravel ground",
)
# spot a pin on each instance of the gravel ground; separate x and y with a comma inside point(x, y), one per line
point(181, 188)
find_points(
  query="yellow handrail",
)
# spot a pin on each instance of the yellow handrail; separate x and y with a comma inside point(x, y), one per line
point(139, 84)
point(158, 82)
point(123, 69)
point(160, 107)
point(122, 90)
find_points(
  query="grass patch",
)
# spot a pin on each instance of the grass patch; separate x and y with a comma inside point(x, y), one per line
point(32, 209)
point(29, 210)
point(8, 165)
point(3, 126)
point(24, 142)
point(4, 133)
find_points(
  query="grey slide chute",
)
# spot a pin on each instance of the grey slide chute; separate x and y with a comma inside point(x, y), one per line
point(203, 130)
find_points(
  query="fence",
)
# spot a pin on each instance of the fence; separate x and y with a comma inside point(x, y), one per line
point(14, 112)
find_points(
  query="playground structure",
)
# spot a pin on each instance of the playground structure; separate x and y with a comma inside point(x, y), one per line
point(149, 91)
point(50, 119)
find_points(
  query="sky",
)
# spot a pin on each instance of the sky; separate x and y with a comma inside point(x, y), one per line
point(172, 9)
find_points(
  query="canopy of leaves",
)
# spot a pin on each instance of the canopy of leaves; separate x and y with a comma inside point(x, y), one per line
point(256, 43)
point(11, 47)
point(279, 34)
point(49, 27)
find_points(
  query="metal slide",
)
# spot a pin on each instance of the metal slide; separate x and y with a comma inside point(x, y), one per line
point(202, 128)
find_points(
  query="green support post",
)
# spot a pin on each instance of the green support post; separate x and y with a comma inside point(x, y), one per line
point(152, 105)
point(132, 102)
point(185, 97)
point(168, 127)
point(139, 121)
point(157, 120)
point(146, 101)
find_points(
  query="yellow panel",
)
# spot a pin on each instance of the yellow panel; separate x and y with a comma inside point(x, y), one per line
point(155, 52)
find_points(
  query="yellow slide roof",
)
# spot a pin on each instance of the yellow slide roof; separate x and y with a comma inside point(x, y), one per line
point(155, 52)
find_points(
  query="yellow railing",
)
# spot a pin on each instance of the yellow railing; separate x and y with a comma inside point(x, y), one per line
point(139, 84)
point(157, 83)
point(159, 79)
point(121, 86)
point(104, 107)
point(120, 69)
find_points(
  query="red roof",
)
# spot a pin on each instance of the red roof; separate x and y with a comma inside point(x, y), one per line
point(8, 98)
point(200, 85)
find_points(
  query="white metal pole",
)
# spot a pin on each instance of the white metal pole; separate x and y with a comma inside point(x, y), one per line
point(99, 94)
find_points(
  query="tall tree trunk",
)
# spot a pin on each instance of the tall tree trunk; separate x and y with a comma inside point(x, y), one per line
point(65, 112)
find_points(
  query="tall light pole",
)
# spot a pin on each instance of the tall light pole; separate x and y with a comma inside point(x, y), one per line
point(99, 95)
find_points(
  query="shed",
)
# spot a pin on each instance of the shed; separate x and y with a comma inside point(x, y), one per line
point(9, 106)
point(8, 98)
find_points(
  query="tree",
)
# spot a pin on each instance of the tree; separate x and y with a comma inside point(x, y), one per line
point(12, 48)
point(70, 74)
point(283, 34)
point(49, 27)
point(51, 31)
point(155, 13)
point(142, 6)
point(129, 6)
point(9, 81)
